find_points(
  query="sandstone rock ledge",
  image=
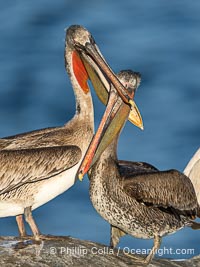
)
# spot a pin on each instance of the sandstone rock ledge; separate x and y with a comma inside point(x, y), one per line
point(68, 251)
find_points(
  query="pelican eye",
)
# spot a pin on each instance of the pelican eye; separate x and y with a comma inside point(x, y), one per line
point(79, 46)
point(92, 41)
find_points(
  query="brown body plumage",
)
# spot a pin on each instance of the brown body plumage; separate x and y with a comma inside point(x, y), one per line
point(137, 199)
point(37, 166)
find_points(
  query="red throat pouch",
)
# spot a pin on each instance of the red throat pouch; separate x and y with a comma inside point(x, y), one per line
point(80, 72)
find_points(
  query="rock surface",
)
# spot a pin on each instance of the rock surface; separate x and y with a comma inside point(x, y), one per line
point(68, 251)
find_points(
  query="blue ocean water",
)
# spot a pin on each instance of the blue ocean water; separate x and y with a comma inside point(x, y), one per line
point(159, 39)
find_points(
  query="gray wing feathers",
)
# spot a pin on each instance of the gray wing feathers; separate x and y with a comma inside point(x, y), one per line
point(129, 168)
point(163, 189)
point(29, 165)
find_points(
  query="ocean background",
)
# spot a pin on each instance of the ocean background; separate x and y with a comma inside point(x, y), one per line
point(160, 39)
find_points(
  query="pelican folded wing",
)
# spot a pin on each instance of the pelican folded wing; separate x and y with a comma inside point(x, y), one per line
point(163, 189)
point(18, 167)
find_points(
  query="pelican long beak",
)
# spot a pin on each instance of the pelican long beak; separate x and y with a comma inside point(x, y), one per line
point(88, 62)
point(111, 124)
point(102, 78)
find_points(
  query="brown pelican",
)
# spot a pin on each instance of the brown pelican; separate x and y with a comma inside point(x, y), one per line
point(192, 170)
point(135, 198)
point(37, 166)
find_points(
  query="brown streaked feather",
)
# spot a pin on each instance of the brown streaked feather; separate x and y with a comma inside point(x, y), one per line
point(3, 143)
point(7, 141)
point(30, 165)
point(128, 168)
point(38, 138)
point(59, 136)
point(28, 134)
point(165, 189)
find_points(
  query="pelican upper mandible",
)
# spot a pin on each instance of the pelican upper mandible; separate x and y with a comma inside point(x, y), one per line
point(37, 166)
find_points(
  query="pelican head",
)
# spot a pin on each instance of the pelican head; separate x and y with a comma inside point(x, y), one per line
point(113, 120)
point(88, 63)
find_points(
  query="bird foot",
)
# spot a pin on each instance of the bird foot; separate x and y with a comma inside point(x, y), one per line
point(40, 237)
point(25, 236)
point(137, 259)
point(30, 237)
